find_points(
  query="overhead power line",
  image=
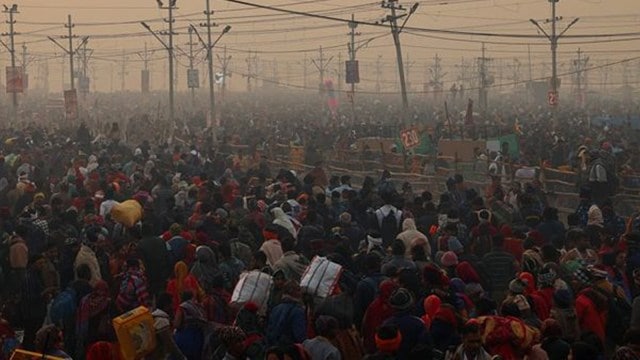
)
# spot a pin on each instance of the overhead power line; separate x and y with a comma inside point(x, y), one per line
point(430, 30)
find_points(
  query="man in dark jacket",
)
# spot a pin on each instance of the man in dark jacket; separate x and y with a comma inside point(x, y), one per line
point(413, 330)
point(155, 256)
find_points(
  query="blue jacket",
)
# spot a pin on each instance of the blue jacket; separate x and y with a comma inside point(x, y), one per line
point(287, 324)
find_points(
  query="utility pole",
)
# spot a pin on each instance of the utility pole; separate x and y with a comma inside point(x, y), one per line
point(212, 100)
point(145, 77)
point(305, 71)
point(353, 70)
point(46, 77)
point(339, 72)
point(436, 77)
point(484, 79)
point(24, 65)
point(11, 11)
point(378, 73)
point(408, 67)
point(71, 52)
point(86, 57)
point(252, 69)
point(191, 57)
point(579, 65)
point(224, 62)
point(321, 65)
point(392, 19)
point(123, 71)
point(169, 47)
point(553, 39)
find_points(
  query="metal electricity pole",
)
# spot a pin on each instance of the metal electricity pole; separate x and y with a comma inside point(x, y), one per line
point(145, 78)
point(553, 39)
point(212, 101)
point(11, 11)
point(579, 65)
point(392, 19)
point(224, 62)
point(321, 65)
point(191, 57)
point(123, 71)
point(378, 73)
point(484, 79)
point(252, 69)
point(70, 51)
point(169, 47)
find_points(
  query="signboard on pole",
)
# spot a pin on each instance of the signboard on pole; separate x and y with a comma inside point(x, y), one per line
point(193, 79)
point(353, 72)
point(145, 81)
point(71, 104)
point(410, 138)
point(14, 79)
point(552, 98)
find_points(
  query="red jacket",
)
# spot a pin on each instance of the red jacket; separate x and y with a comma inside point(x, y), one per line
point(590, 318)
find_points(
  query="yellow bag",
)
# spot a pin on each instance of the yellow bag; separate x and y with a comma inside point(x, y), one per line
point(127, 213)
point(136, 333)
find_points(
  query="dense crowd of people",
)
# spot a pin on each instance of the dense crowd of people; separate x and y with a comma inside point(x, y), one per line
point(469, 274)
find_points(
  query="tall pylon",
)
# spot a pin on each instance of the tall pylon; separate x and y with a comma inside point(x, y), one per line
point(321, 64)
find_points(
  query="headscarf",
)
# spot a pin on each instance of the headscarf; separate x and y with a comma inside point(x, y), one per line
point(431, 305)
point(467, 273)
point(205, 268)
point(180, 270)
point(530, 281)
point(283, 220)
point(372, 242)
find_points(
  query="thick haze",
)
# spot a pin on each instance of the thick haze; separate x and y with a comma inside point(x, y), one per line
point(282, 41)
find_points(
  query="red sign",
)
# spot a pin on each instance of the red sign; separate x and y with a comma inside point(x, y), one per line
point(410, 138)
point(71, 104)
point(14, 79)
point(552, 98)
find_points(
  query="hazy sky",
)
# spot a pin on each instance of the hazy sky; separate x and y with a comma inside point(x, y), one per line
point(284, 41)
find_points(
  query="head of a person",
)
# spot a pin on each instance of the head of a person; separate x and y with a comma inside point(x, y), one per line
point(259, 260)
point(388, 339)
point(180, 270)
point(37, 262)
point(398, 248)
point(401, 300)
point(573, 237)
point(579, 239)
point(164, 302)
point(83, 272)
point(288, 244)
point(326, 326)
point(471, 339)
point(279, 279)
point(289, 352)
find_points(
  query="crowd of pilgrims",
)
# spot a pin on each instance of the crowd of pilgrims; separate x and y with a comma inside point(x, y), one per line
point(423, 277)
